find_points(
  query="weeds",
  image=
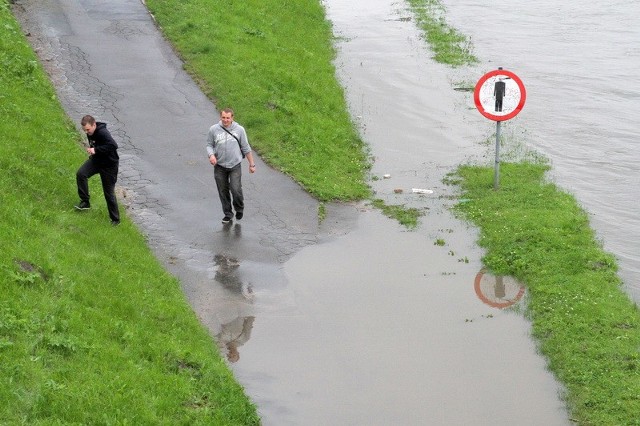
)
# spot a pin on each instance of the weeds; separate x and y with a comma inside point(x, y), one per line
point(322, 212)
point(405, 216)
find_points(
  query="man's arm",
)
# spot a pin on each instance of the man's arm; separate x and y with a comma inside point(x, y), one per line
point(104, 142)
point(210, 144)
point(252, 164)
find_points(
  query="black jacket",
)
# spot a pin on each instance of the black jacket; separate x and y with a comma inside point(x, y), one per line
point(106, 148)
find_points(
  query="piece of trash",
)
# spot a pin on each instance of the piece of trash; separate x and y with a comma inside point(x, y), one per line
point(421, 191)
point(387, 176)
point(398, 190)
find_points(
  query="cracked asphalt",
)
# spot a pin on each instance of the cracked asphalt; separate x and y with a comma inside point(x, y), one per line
point(351, 321)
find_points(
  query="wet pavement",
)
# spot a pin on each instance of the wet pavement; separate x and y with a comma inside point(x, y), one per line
point(352, 321)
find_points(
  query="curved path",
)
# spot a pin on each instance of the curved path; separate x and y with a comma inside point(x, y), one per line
point(354, 321)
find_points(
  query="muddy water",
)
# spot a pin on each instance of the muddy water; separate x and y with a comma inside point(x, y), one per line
point(389, 331)
point(579, 61)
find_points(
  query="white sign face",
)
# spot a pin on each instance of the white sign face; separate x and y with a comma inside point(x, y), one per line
point(499, 95)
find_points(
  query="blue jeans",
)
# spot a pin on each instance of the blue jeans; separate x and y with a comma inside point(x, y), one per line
point(229, 183)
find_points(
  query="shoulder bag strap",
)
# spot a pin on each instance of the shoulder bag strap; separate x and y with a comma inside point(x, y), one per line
point(234, 136)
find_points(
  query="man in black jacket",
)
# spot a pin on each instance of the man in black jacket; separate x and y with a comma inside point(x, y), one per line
point(103, 159)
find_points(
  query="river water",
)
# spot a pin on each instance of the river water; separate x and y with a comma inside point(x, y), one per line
point(579, 62)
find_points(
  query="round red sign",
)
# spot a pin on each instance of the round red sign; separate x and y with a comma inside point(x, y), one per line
point(499, 95)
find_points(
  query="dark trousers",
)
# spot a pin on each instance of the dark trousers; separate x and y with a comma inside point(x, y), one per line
point(108, 176)
point(229, 183)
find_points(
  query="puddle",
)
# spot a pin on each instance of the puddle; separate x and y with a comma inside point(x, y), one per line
point(388, 329)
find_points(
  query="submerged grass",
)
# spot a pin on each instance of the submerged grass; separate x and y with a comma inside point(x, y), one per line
point(407, 216)
point(449, 45)
point(92, 329)
point(271, 61)
point(586, 326)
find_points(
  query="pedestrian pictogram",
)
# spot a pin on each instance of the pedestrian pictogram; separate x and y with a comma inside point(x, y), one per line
point(499, 95)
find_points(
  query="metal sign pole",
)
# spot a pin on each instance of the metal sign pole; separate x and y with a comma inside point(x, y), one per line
point(496, 174)
point(499, 95)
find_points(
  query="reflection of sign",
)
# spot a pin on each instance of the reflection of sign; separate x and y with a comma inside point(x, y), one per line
point(497, 291)
point(499, 95)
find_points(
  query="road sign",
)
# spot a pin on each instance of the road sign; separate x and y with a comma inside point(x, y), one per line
point(499, 95)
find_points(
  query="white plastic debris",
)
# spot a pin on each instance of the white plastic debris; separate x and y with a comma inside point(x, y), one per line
point(387, 176)
point(421, 191)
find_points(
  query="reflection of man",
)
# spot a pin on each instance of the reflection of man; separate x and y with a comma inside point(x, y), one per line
point(226, 272)
point(234, 334)
point(235, 323)
point(498, 93)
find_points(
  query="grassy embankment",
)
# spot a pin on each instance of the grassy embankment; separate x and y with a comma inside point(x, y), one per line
point(276, 71)
point(92, 329)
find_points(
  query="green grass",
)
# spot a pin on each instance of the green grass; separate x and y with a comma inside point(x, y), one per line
point(586, 326)
point(448, 44)
point(271, 61)
point(407, 216)
point(92, 329)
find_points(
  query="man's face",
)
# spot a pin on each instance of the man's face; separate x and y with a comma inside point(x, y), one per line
point(226, 118)
point(89, 128)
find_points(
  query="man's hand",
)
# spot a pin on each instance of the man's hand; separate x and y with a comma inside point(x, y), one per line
point(213, 160)
point(91, 151)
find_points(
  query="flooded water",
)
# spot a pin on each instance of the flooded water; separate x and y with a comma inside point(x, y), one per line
point(579, 61)
point(357, 321)
point(385, 325)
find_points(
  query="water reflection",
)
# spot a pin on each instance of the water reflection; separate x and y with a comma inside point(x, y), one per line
point(232, 230)
point(234, 334)
point(236, 322)
point(496, 290)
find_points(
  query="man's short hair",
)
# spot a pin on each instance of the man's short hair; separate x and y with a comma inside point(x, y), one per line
point(87, 119)
point(227, 110)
